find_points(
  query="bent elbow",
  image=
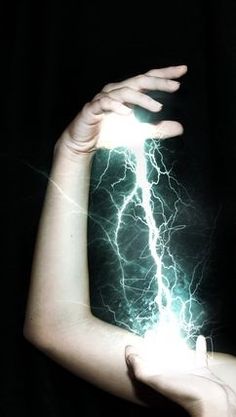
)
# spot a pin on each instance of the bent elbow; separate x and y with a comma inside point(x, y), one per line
point(35, 334)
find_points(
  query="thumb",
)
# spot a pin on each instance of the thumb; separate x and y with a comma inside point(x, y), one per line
point(141, 369)
point(201, 352)
point(163, 130)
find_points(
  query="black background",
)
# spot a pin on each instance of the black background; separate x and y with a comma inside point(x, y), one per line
point(57, 56)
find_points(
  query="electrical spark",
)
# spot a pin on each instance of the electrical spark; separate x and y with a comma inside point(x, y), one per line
point(154, 297)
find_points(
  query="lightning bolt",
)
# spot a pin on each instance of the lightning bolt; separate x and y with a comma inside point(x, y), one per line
point(147, 197)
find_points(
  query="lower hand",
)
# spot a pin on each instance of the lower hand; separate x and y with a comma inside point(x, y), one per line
point(199, 391)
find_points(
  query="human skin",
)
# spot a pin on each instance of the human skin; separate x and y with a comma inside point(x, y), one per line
point(198, 390)
point(58, 317)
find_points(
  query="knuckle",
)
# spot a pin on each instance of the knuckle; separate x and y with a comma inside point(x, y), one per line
point(108, 87)
point(149, 72)
point(105, 100)
point(86, 107)
point(125, 90)
point(141, 79)
point(109, 95)
point(97, 97)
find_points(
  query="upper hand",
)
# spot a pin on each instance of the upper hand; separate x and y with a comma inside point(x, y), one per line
point(83, 135)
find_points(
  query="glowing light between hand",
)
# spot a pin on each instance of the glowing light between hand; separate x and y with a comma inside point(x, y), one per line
point(164, 347)
point(165, 350)
point(123, 131)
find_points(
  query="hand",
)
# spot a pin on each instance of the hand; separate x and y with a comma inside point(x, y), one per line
point(83, 135)
point(199, 391)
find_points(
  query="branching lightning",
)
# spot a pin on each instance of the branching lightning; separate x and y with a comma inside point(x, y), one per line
point(153, 204)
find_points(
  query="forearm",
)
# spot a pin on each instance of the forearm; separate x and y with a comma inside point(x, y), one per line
point(59, 279)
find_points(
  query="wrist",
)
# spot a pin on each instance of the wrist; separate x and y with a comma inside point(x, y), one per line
point(62, 149)
point(70, 167)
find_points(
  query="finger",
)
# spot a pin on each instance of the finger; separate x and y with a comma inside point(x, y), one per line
point(130, 96)
point(141, 369)
point(165, 129)
point(169, 72)
point(107, 104)
point(145, 82)
point(129, 350)
point(201, 352)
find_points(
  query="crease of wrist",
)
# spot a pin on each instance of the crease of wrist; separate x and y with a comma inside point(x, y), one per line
point(64, 149)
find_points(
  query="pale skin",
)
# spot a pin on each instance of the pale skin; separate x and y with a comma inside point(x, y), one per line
point(58, 318)
point(198, 390)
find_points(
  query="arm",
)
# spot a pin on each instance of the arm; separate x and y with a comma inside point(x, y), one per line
point(58, 318)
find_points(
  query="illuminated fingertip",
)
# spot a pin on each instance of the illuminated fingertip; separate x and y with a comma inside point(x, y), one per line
point(201, 344)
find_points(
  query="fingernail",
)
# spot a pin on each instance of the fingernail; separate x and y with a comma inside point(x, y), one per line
point(182, 67)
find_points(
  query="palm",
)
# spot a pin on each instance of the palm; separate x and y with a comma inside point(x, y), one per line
point(203, 384)
point(187, 389)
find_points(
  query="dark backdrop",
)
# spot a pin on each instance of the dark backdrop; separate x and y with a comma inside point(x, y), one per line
point(57, 55)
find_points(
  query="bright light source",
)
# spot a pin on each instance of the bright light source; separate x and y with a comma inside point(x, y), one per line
point(165, 349)
point(155, 213)
point(122, 131)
